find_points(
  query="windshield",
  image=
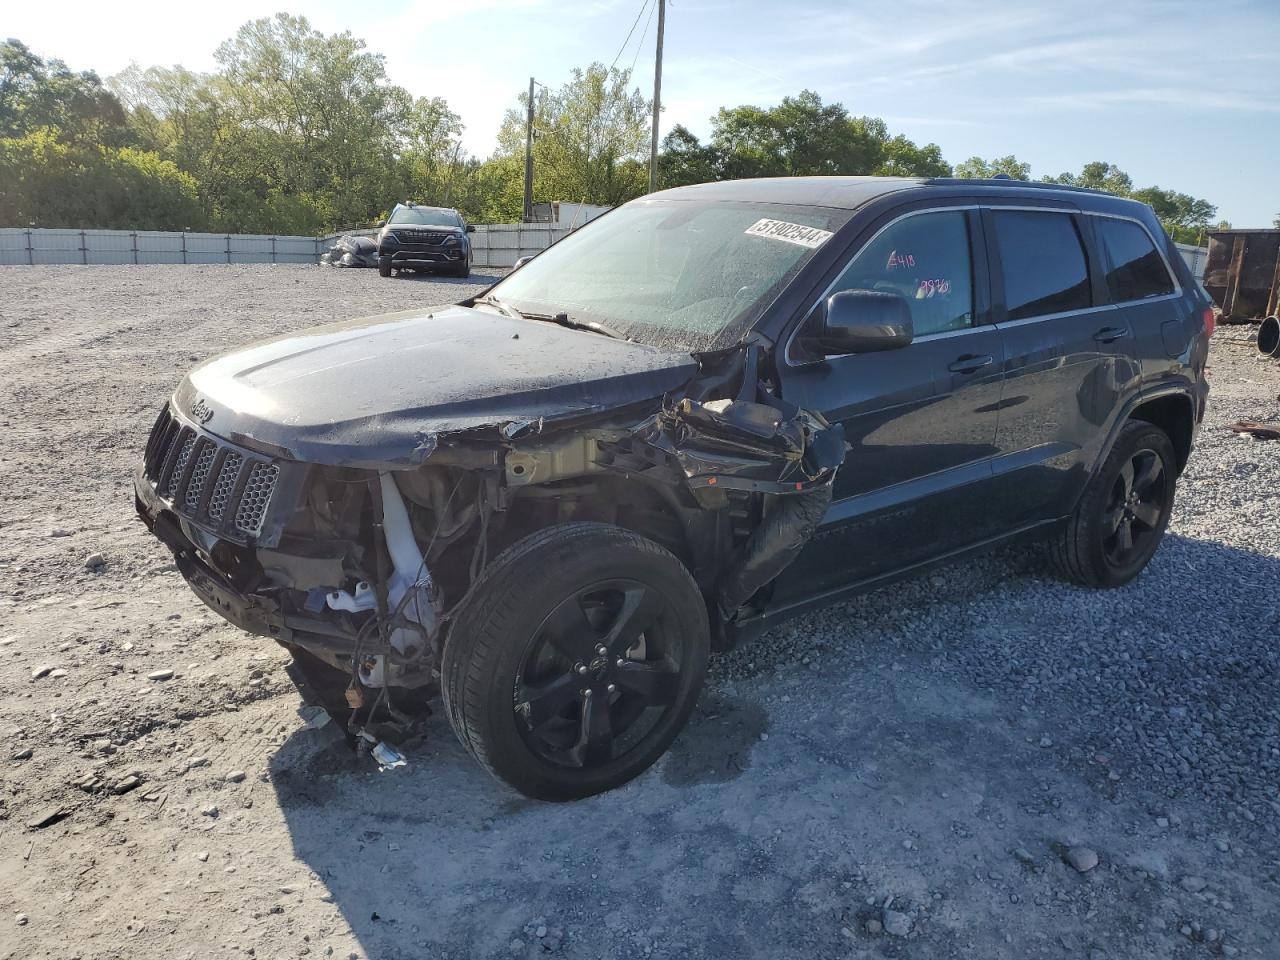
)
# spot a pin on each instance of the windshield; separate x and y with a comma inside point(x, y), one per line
point(424, 216)
point(685, 274)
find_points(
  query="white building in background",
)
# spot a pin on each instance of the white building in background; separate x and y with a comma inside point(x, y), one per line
point(562, 213)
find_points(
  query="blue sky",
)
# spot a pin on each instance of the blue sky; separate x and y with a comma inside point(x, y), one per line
point(1184, 95)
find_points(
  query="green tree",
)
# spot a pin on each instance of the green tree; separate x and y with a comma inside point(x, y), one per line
point(1177, 209)
point(1185, 217)
point(185, 117)
point(591, 138)
point(36, 93)
point(1098, 175)
point(801, 136)
point(318, 124)
point(975, 168)
point(433, 151)
point(49, 182)
point(683, 159)
point(491, 191)
point(902, 158)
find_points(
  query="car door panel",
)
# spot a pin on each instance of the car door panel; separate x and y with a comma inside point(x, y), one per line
point(1064, 371)
point(921, 423)
point(910, 486)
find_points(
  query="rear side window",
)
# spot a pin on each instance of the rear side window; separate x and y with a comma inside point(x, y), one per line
point(1043, 263)
point(925, 259)
point(1135, 269)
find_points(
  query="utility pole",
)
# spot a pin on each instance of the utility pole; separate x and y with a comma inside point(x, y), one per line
point(528, 159)
point(657, 98)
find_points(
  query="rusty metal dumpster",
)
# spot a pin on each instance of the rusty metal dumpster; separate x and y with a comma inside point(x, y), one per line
point(1243, 275)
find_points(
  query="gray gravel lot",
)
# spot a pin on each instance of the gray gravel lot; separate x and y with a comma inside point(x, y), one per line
point(982, 762)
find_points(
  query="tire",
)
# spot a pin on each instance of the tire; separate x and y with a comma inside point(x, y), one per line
point(384, 266)
point(527, 646)
point(463, 271)
point(1122, 495)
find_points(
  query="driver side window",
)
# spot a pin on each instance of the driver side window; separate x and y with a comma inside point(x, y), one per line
point(926, 260)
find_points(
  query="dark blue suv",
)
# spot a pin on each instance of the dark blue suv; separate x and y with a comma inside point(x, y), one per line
point(425, 238)
point(704, 412)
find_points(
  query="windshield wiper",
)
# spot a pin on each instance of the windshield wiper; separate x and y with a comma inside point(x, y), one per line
point(501, 306)
point(594, 326)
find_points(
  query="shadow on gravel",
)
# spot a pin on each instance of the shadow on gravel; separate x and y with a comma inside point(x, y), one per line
point(888, 776)
point(476, 278)
point(716, 746)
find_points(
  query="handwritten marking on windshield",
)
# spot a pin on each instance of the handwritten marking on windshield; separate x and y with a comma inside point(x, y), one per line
point(796, 233)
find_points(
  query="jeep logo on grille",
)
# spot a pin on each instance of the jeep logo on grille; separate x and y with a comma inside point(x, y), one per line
point(201, 411)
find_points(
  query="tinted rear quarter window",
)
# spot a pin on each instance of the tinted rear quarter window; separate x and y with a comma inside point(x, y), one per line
point(1135, 269)
point(1043, 263)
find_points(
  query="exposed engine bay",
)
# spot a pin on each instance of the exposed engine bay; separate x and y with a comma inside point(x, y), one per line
point(360, 572)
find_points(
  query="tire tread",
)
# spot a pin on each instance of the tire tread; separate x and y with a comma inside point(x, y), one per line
point(1069, 546)
point(493, 613)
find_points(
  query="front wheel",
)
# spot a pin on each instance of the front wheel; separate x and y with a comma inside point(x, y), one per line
point(1123, 512)
point(576, 661)
point(384, 266)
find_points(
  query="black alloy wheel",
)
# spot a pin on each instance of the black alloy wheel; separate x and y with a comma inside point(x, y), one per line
point(1122, 514)
point(576, 660)
point(598, 675)
point(1139, 501)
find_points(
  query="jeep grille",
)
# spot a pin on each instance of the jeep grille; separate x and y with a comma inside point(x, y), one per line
point(207, 480)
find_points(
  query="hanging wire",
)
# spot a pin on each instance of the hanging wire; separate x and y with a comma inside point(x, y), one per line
point(634, 23)
point(640, 45)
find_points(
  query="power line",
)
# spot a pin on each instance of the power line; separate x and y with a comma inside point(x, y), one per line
point(640, 45)
point(639, 14)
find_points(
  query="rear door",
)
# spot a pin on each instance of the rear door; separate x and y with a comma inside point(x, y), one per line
point(1068, 359)
point(921, 420)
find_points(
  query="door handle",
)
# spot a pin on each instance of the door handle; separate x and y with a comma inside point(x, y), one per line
point(970, 363)
point(1110, 334)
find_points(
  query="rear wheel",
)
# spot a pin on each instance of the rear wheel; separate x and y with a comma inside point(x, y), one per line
point(1122, 516)
point(577, 660)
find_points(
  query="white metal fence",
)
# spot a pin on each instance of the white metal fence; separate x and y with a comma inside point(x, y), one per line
point(494, 245)
point(47, 246)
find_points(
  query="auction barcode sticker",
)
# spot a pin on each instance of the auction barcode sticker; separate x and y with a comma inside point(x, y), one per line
point(796, 233)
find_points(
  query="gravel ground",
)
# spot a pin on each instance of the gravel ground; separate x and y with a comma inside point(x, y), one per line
point(979, 763)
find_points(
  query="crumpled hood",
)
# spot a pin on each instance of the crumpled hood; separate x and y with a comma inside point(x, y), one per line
point(378, 392)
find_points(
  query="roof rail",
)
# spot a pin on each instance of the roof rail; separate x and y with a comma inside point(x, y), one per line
point(1004, 180)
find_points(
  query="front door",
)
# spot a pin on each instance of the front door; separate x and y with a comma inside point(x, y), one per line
point(921, 420)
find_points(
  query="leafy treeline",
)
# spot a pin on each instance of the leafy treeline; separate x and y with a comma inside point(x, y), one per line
point(1184, 216)
point(298, 132)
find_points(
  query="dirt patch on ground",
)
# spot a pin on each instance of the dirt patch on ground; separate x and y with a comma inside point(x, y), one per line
point(979, 763)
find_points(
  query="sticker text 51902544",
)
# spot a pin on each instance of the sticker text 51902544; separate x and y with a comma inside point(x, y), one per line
point(796, 233)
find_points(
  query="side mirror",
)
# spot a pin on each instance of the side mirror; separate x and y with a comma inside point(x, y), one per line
point(860, 321)
point(521, 262)
point(471, 228)
point(380, 224)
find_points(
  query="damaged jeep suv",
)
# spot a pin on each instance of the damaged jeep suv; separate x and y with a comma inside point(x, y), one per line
point(710, 409)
